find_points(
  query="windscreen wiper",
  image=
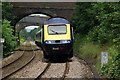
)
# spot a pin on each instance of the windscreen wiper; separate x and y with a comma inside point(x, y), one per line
point(54, 31)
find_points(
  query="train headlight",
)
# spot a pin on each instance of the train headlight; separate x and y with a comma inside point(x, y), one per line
point(48, 42)
point(66, 41)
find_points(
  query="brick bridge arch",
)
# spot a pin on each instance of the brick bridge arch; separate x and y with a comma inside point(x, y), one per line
point(53, 9)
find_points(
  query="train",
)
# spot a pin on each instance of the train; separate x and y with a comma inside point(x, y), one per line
point(56, 38)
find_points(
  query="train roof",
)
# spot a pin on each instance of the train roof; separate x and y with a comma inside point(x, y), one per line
point(57, 21)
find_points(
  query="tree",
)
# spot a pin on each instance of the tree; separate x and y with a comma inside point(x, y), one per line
point(99, 20)
point(100, 23)
point(84, 18)
point(108, 28)
point(10, 41)
point(7, 9)
point(7, 31)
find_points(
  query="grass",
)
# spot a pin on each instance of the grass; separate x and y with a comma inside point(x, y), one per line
point(91, 53)
point(88, 51)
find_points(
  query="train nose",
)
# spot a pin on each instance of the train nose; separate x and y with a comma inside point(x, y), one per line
point(57, 41)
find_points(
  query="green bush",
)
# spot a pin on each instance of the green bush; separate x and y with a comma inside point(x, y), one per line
point(10, 40)
point(112, 69)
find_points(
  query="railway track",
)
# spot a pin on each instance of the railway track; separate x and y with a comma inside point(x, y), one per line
point(18, 64)
point(67, 65)
point(20, 53)
point(44, 71)
point(35, 69)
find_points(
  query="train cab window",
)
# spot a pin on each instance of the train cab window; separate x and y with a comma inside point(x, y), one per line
point(57, 29)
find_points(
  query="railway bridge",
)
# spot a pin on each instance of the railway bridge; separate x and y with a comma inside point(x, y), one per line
point(22, 10)
point(63, 9)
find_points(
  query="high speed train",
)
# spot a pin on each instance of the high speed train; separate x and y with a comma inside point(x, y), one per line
point(56, 38)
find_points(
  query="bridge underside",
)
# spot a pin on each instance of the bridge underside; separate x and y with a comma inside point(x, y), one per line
point(30, 21)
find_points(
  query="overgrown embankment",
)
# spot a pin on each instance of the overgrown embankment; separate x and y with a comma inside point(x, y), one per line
point(97, 30)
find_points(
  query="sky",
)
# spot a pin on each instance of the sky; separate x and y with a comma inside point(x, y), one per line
point(29, 28)
point(41, 15)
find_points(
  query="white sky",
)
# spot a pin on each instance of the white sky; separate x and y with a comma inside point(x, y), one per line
point(41, 15)
point(29, 28)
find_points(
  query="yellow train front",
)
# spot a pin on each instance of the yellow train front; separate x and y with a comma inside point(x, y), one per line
point(57, 38)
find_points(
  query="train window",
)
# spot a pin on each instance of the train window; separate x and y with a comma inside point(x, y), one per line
point(57, 29)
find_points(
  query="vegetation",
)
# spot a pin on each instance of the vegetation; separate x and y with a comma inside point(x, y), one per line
point(97, 29)
point(23, 35)
point(10, 41)
point(1, 51)
point(7, 31)
point(33, 32)
point(112, 70)
point(7, 9)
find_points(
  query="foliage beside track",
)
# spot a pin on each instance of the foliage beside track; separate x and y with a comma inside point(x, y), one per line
point(7, 30)
point(112, 70)
point(23, 35)
point(33, 32)
point(98, 29)
point(10, 40)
